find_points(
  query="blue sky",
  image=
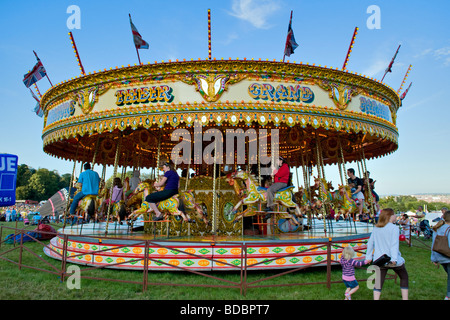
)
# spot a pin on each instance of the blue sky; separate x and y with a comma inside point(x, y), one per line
point(250, 29)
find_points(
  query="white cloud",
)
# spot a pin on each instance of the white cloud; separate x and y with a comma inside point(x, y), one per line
point(230, 38)
point(376, 67)
point(441, 54)
point(254, 11)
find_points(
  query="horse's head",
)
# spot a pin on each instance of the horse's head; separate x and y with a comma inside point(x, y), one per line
point(240, 174)
point(142, 186)
point(343, 189)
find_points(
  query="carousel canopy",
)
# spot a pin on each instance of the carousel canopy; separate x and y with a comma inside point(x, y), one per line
point(129, 114)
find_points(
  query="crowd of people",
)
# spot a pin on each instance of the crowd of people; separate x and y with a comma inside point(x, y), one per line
point(18, 212)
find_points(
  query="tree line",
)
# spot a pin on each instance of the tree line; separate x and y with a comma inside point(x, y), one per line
point(39, 184)
point(409, 203)
point(42, 184)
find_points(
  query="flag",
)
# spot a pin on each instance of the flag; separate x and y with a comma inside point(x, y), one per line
point(291, 45)
point(37, 109)
point(138, 41)
point(36, 74)
point(406, 91)
point(389, 68)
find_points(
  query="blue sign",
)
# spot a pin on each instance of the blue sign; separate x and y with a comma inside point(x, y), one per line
point(8, 177)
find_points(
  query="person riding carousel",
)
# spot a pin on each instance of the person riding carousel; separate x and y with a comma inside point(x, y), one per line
point(281, 180)
point(170, 181)
point(89, 181)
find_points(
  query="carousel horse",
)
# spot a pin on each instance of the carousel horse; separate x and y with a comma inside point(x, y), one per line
point(87, 207)
point(321, 194)
point(237, 184)
point(101, 197)
point(344, 204)
point(303, 200)
point(167, 207)
point(189, 203)
point(257, 194)
point(117, 209)
point(126, 186)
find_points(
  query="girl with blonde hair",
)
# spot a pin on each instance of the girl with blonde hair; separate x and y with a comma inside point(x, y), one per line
point(348, 271)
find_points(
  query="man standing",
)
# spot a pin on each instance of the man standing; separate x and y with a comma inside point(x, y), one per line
point(420, 215)
point(89, 181)
point(357, 189)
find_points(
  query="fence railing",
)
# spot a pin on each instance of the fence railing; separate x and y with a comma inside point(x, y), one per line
point(59, 268)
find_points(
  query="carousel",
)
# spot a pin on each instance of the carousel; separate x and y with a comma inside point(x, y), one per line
point(222, 123)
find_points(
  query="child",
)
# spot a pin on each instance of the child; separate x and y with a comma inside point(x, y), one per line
point(405, 227)
point(348, 271)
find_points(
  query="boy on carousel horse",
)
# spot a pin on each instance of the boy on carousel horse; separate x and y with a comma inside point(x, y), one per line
point(89, 181)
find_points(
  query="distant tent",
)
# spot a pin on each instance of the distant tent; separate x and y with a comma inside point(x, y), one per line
point(56, 204)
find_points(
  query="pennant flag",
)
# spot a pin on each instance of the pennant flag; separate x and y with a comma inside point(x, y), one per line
point(406, 91)
point(36, 74)
point(291, 45)
point(138, 41)
point(389, 68)
point(37, 109)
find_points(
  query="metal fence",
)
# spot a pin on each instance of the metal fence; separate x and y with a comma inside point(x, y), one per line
point(59, 267)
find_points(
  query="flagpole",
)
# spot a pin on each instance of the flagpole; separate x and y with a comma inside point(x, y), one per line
point(406, 91)
point(45, 72)
point(350, 48)
point(404, 79)
point(209, 34)
point(139, 58)
point(74, 46)
point(37, 89)
point(390, 64)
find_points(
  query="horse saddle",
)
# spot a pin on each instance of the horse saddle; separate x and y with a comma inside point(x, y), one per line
point(90, 197)
point(281, 190)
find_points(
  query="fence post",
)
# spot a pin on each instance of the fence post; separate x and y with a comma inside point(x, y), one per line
point(64, 257)
point(21, 249)
point(145, 280)
point(329, 263)
point(244, 269)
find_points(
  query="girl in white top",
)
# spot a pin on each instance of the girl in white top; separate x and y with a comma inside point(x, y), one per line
point(385, 240)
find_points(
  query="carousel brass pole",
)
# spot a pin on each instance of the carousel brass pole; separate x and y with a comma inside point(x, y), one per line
point(187, 176)
point(116, 161)
point(104, 171)
point(70, 184)
point(214, 224)
point(343, 161)
point(306, 178)
point(363, 163)
point(95, 152)
point(158, 156)
point(322, 208)
point(340, 170)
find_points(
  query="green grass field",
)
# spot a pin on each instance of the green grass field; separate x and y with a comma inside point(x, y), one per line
point(426, 281)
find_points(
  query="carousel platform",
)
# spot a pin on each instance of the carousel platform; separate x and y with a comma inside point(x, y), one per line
point(126, 248)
